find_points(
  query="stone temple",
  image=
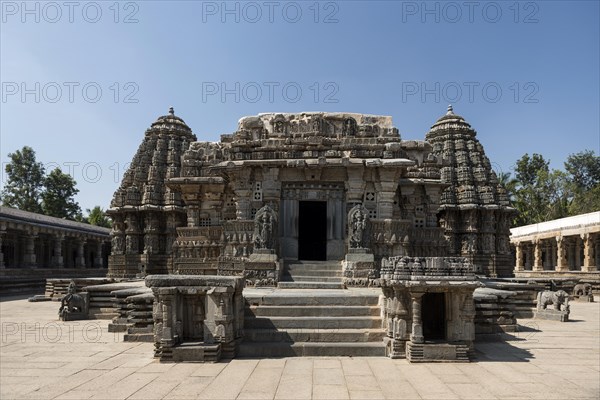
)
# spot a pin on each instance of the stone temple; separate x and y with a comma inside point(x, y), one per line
point(311, 201)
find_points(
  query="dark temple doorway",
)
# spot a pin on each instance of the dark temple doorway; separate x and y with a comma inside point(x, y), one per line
point(312, 230)
point(433, 315)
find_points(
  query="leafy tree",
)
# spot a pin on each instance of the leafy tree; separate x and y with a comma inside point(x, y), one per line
point(508, 184)
point(97, 216)
point(584, 169)
point(58, 198)
point(25, 181)
point(541, 194)
point(583, 176)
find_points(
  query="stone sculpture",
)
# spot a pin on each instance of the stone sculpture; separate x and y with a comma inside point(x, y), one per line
point(560, 305)
point(73, 306)
point(358, 226)
point(264, 227)
point(583, 292)
point(558, 299)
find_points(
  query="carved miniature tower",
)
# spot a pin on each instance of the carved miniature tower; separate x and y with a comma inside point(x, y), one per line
point(145, 212)
point(474, 209)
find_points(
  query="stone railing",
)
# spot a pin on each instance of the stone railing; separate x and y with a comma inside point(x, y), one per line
point(419, 268)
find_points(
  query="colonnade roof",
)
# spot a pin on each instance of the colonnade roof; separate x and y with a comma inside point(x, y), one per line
point(8, 214)
point(582, 221)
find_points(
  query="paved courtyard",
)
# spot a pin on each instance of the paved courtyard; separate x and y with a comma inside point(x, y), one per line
point(43, 358)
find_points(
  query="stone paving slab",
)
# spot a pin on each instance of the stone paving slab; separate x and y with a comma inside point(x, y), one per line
point(43, 358)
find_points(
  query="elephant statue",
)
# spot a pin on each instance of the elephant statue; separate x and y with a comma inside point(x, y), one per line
point(559, 299)
point(582, 289)
point(72, 303)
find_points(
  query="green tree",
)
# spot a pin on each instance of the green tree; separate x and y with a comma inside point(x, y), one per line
point(583, 176)
point(58, 198)
point(541, 194)
point(508, 184)
point(25, 181)
point(97, 216)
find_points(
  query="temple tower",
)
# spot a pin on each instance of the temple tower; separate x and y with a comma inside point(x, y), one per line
point(145, 212)
point(474, 209)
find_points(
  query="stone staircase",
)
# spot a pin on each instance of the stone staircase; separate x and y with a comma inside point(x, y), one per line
point(297, 322)
point(312, 275)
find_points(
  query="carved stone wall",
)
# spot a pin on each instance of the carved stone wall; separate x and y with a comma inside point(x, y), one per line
point(191, 207)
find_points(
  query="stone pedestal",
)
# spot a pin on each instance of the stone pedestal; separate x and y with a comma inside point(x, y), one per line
point(554, 315)
point(262, 268)
point(358, 266)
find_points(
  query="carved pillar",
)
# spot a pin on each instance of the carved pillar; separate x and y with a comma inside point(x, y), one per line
point(537, 256)
point(519, 257)
point(98, 258)
point(577, 265)
point(80, 258)
point(58, 260)
point(2, 234)
point(30, 259)
point(417, 325)
point(132, 243)
point(554, 254)
point(193, 215)
point(355, 185)
point(561, 255)
point(588, 253)
point(386, 204)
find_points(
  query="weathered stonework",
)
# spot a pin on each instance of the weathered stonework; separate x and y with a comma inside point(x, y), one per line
point(559, 302)
point(474, 210)
point(196, 318)
point(429, 308)
point(145, 212)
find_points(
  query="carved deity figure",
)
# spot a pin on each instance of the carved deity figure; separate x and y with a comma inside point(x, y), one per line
point(264, 228)
point(468, 244)
point(117, 244)
point(316, 125)
point(358, 226)
point(349, 127)
point(279, 127)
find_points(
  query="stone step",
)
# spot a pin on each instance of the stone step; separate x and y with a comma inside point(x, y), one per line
point(138, 337)
point(314, 266)
point(310, 285)
point(311, 322)
point(310, 349)
point(314, 272)
point(308, 278)
point(313, 311)
point(317, 335)
point(306, 298)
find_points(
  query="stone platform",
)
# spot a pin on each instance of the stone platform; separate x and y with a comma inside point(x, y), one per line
point(43, 358)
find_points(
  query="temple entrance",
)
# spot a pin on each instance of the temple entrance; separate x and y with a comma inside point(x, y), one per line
point(193, 315)
point(434, 316)
point(312, 230)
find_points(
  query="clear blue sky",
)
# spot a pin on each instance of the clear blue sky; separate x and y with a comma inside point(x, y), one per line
point(404, 59)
